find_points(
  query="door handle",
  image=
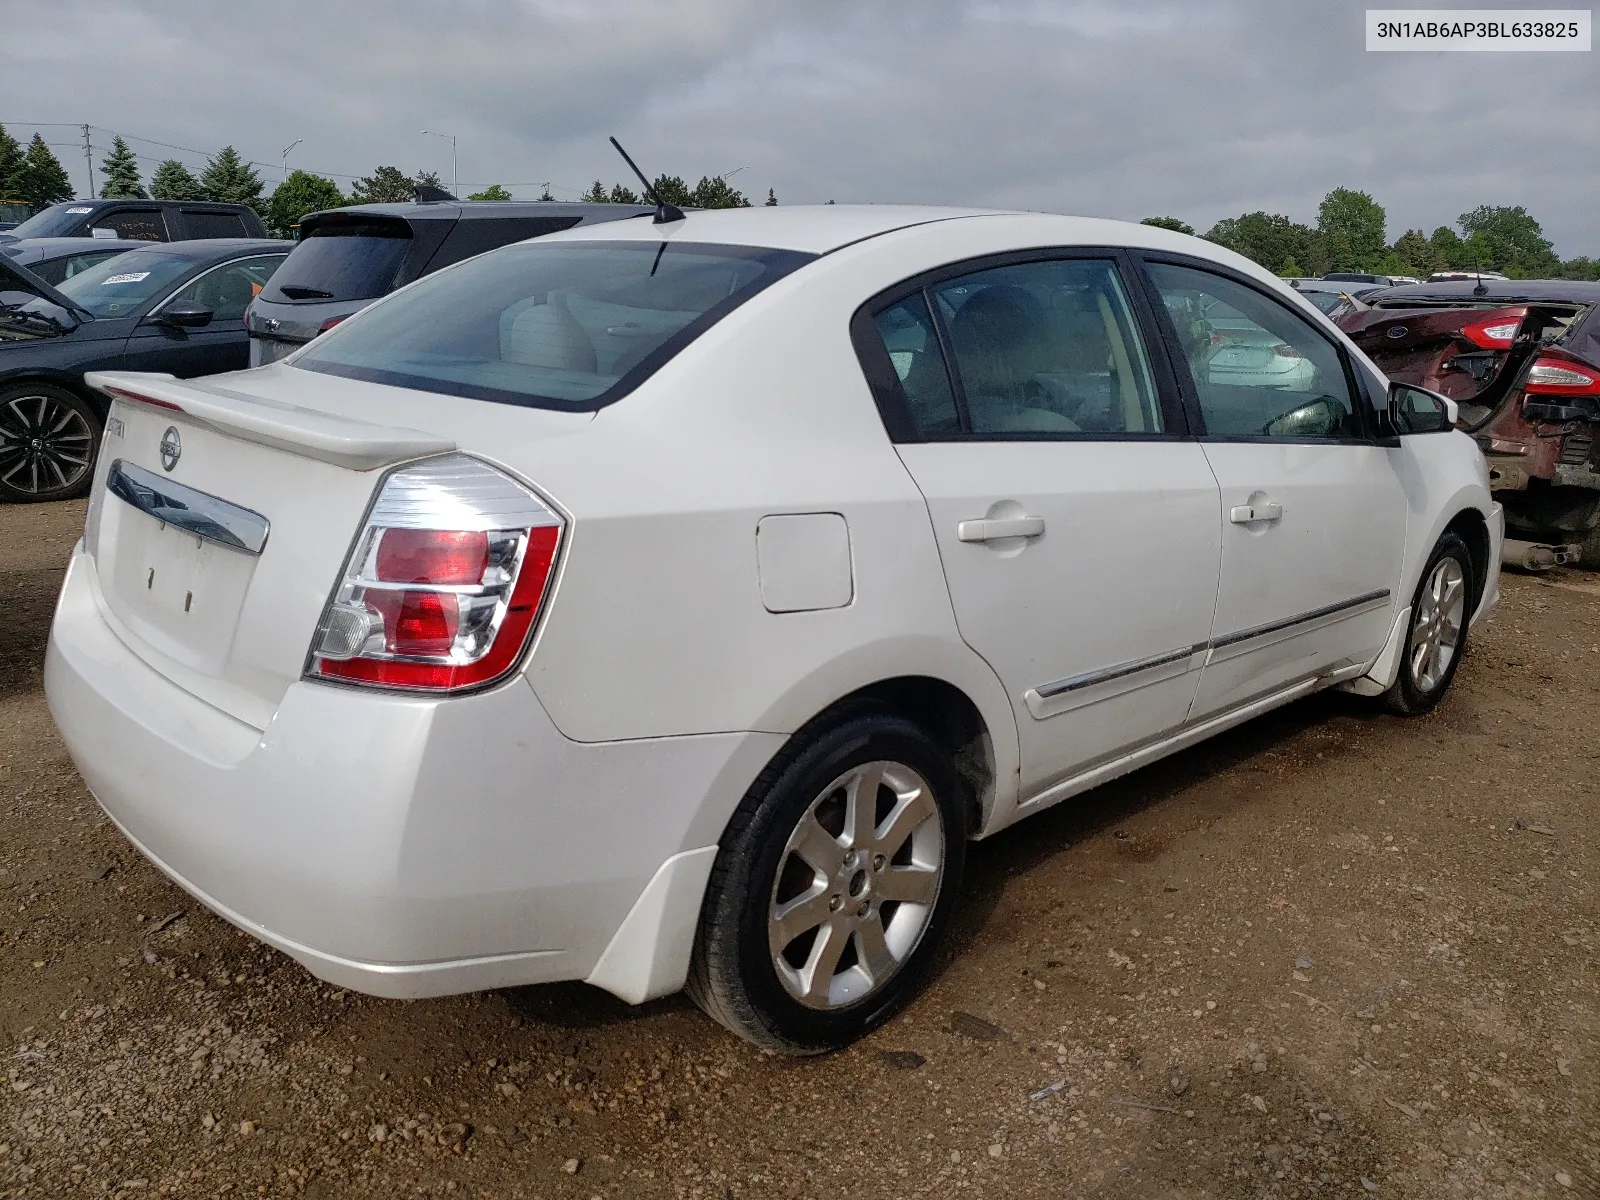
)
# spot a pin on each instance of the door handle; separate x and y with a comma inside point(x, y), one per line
point(1244, 514)
point(990, 529)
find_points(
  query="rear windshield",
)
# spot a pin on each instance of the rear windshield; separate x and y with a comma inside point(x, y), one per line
point(564, 325)
point(119, 286)
point(356, 261)
point(55, 221)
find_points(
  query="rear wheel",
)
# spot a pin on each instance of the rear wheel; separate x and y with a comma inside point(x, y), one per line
point(48, 437)
point(832, 885)
point(1437, 638)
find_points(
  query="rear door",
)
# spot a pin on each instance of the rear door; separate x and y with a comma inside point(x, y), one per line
point(220, 345)
point(1313, 513)
point(1076, 521)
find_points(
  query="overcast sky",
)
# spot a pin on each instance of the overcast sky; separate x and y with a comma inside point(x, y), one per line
point(1196, 110)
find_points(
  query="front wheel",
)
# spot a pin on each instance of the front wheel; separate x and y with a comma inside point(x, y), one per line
point(1437, 638)
point(48, 437)
point(832, 885)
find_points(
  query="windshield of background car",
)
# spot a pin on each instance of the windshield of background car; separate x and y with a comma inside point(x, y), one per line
point(120, 286)
point(1326, 301)
point(56, 221)
point(346, 261)
point(563, 325)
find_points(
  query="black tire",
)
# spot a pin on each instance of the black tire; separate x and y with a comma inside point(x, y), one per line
point(1412, 693)
point(733, 975)
point(49, 437)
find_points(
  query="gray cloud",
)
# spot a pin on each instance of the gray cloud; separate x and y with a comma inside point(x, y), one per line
point(1198, 111)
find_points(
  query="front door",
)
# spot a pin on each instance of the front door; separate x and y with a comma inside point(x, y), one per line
point(1312, 509)
point(1076, 523)
point(220, 345)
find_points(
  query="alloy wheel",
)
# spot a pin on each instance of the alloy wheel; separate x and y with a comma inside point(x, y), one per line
point(1436, 627)
point(856, 885)
point(46, 445)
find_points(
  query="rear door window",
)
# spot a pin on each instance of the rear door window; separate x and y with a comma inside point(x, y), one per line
point(563, 325)
point(213, 225)
point(136, 224)
point(344, 261)
point(59, 269)
point(472, 235)
point(227, 290)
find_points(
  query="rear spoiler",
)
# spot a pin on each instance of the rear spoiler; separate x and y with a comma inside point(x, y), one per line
point(342, 441)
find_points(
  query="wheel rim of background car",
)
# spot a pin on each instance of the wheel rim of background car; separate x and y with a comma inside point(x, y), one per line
point(1436, 630)
point(856, 885)
point(45, 445)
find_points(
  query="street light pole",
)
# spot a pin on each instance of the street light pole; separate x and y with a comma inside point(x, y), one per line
point(291, 146)
point(455, 161)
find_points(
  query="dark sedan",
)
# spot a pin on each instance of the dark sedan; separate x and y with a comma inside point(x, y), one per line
point(56, 259)
point(176, 307)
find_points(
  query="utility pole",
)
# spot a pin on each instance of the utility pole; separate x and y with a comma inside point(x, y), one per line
point(88, 160)
point(455, 162)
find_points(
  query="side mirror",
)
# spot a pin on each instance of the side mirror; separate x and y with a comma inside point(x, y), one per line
point(1417, 410)
point(1320, 418)
point(185, 315)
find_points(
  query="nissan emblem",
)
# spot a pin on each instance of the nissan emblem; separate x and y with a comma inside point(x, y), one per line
point(171, 448)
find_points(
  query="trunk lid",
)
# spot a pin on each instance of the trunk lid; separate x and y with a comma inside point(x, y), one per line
point(224, 509)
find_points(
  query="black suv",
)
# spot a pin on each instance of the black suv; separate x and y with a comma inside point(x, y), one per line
point(349, 257)
point(142, 221)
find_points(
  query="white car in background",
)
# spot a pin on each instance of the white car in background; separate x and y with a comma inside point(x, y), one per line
point(666, 603)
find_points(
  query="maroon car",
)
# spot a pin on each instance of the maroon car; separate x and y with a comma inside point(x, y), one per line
point(1522, 359)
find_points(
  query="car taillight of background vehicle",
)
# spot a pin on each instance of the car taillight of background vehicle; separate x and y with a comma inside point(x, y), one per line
point(443, 587)
point(1493, 334)
point(330, 323)
point(1558, 375)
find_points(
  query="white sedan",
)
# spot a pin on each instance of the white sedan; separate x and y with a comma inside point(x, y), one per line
point(666, 604)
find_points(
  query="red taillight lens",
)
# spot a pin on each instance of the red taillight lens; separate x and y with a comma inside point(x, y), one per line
point(444, 585)
point(330, 323)
point(1560, 375)
point(1496, 333)
point(432, 556)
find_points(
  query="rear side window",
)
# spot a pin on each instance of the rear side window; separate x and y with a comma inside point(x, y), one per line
point(58, 270)
point(476, 235)
point(214, 224)
point(562, 325)
point(345, 261)
point(135, 224)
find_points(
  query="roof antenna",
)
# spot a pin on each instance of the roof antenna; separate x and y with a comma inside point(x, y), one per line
point(1479, 289)
point(665, 213)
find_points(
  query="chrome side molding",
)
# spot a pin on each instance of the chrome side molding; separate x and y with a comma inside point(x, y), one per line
point(1035, 697)
point(186, 508)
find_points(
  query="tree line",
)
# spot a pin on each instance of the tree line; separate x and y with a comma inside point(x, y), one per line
point(1351, 234)
point(36, 177)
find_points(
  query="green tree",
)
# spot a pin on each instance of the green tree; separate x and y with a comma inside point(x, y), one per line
point(1582, 267)
point(230, 180)
point(493, 192)
point(670, 189)
point(10, 164)
point(1412, 247)
point(298, 195)
point(1352, 227)
point(1510, 238)
point(1171, 223)
point(772, 199)
point(596, 194)
point(1271, 239)
point(121, 167)
point(386, 185)
point(622, 195)
point(174, 181)
point(1448, 250)
point(427, 179)
point(41, 180)
point(1392, 264)
point(1291, 269)
point(716, 192)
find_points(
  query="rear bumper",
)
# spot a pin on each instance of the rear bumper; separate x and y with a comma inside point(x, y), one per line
point(400, 846)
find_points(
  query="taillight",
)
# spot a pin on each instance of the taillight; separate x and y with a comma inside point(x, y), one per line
point(330, 323)
point(1493, 334)
point(1551, 375)
point(444, 585)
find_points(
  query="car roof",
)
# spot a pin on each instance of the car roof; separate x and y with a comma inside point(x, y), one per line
point(201, 249)
point(1579, 291)
point(44, 249)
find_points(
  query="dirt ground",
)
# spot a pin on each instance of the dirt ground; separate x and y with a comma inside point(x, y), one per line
point(1332, 953)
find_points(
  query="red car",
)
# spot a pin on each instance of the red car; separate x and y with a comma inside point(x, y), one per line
point(1522, 359)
